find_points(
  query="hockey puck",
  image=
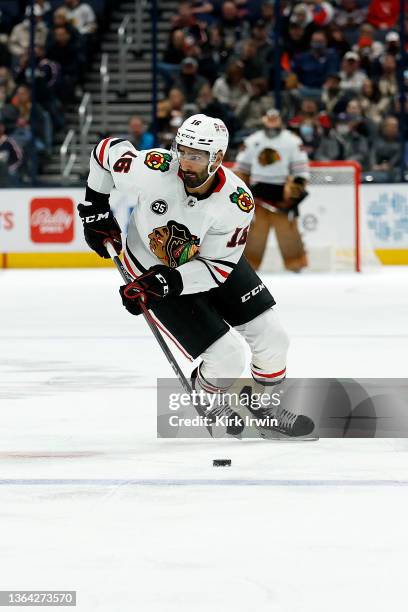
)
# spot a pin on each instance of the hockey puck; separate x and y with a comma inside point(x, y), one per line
point(221, 462)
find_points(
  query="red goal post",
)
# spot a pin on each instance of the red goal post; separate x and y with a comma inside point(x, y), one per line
point(329, 173)
point(331, 220)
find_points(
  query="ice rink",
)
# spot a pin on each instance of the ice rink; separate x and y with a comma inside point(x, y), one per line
point(91, 501)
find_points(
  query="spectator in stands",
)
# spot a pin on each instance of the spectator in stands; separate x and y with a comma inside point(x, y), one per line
point(302, 16)
point(60, 18)
point(355, 145)
point(175, 53)
point(349, 16)
point(290, 96)
point(167, 136)
point(47, 74)
point(330, 146)
point(309, 111)
point(171, 113)
point(337, 40)
point(310, 15)
point(392, 43)
point(395, 107)
point(82, 16)
point(386, 153)
point(11, 158)
point(372, 103)
point(203, 11)
point(383, 14)
point(189, 81)
point(19, 40)
point(313, 67)
point(388, 83)
point(7, 81)
point(333, 97)
point(19, 122)
point(368, 48)
point(138, 135)
point(219, 50)
point(264, 47)
point(296, 40)
point(249, 9)
point(173, 56)
point(234, 28)
point(231, 87)
point(253, 65)
point(253, 107)
point(66, 51)
point(352, 78)
point(187, 21)
point(268, 16)
point(213, 55)
point(310, 134)
point(361, 124)
point(46, 10)
point(209, 105)
point(185, 17)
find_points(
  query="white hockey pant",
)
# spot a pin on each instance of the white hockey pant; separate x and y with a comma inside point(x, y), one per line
point(224, 361)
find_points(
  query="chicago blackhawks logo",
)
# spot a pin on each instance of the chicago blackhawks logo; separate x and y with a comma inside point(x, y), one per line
point(268, 157)
point(156, 160)
point(173, 244)
point(243, 199)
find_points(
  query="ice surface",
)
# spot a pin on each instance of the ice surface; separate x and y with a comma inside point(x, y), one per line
point(91, 501)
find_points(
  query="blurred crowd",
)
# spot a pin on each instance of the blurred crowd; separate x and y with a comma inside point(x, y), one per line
point(337, 64)
point(66, 34)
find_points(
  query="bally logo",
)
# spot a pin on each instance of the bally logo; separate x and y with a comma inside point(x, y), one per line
point(52, 220)
point(255, 291)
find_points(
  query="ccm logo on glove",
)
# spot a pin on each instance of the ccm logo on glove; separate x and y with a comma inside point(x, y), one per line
point(93, 218)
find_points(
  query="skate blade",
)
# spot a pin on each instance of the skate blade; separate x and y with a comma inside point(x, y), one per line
point(281, 437)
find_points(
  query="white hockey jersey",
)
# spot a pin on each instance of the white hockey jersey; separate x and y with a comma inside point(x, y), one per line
point(272, 160)
point(168, 225)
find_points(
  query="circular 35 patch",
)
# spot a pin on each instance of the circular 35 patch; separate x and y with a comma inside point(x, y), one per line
point(159, 207)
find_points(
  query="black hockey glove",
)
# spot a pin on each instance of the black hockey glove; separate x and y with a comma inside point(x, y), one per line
point(99, 226)
point(294, 192)
point(157, 283)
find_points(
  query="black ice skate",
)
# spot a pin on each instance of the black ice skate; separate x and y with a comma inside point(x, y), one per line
point(279, 419)
point(220, 414)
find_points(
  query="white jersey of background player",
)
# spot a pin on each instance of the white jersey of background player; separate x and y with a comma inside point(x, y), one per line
point(289, 157)
point(185, 240)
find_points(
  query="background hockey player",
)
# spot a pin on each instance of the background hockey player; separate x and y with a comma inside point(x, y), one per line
point(184, 248)
point(273, 162)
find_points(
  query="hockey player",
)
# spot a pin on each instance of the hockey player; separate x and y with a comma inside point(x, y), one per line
point(184, 249)
point(273, 162)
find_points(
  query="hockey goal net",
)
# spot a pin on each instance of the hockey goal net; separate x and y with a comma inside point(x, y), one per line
point(331, 221)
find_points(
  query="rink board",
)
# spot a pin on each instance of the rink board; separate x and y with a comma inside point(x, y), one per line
point(40, 227)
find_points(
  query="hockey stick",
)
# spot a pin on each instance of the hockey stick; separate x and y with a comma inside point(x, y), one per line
point(200, 409)
point(149, 320)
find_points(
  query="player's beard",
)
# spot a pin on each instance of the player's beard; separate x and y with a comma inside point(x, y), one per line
point(193, 180)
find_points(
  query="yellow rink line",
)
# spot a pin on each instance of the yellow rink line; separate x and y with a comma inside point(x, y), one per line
point(393, 257)
point(53, 260)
